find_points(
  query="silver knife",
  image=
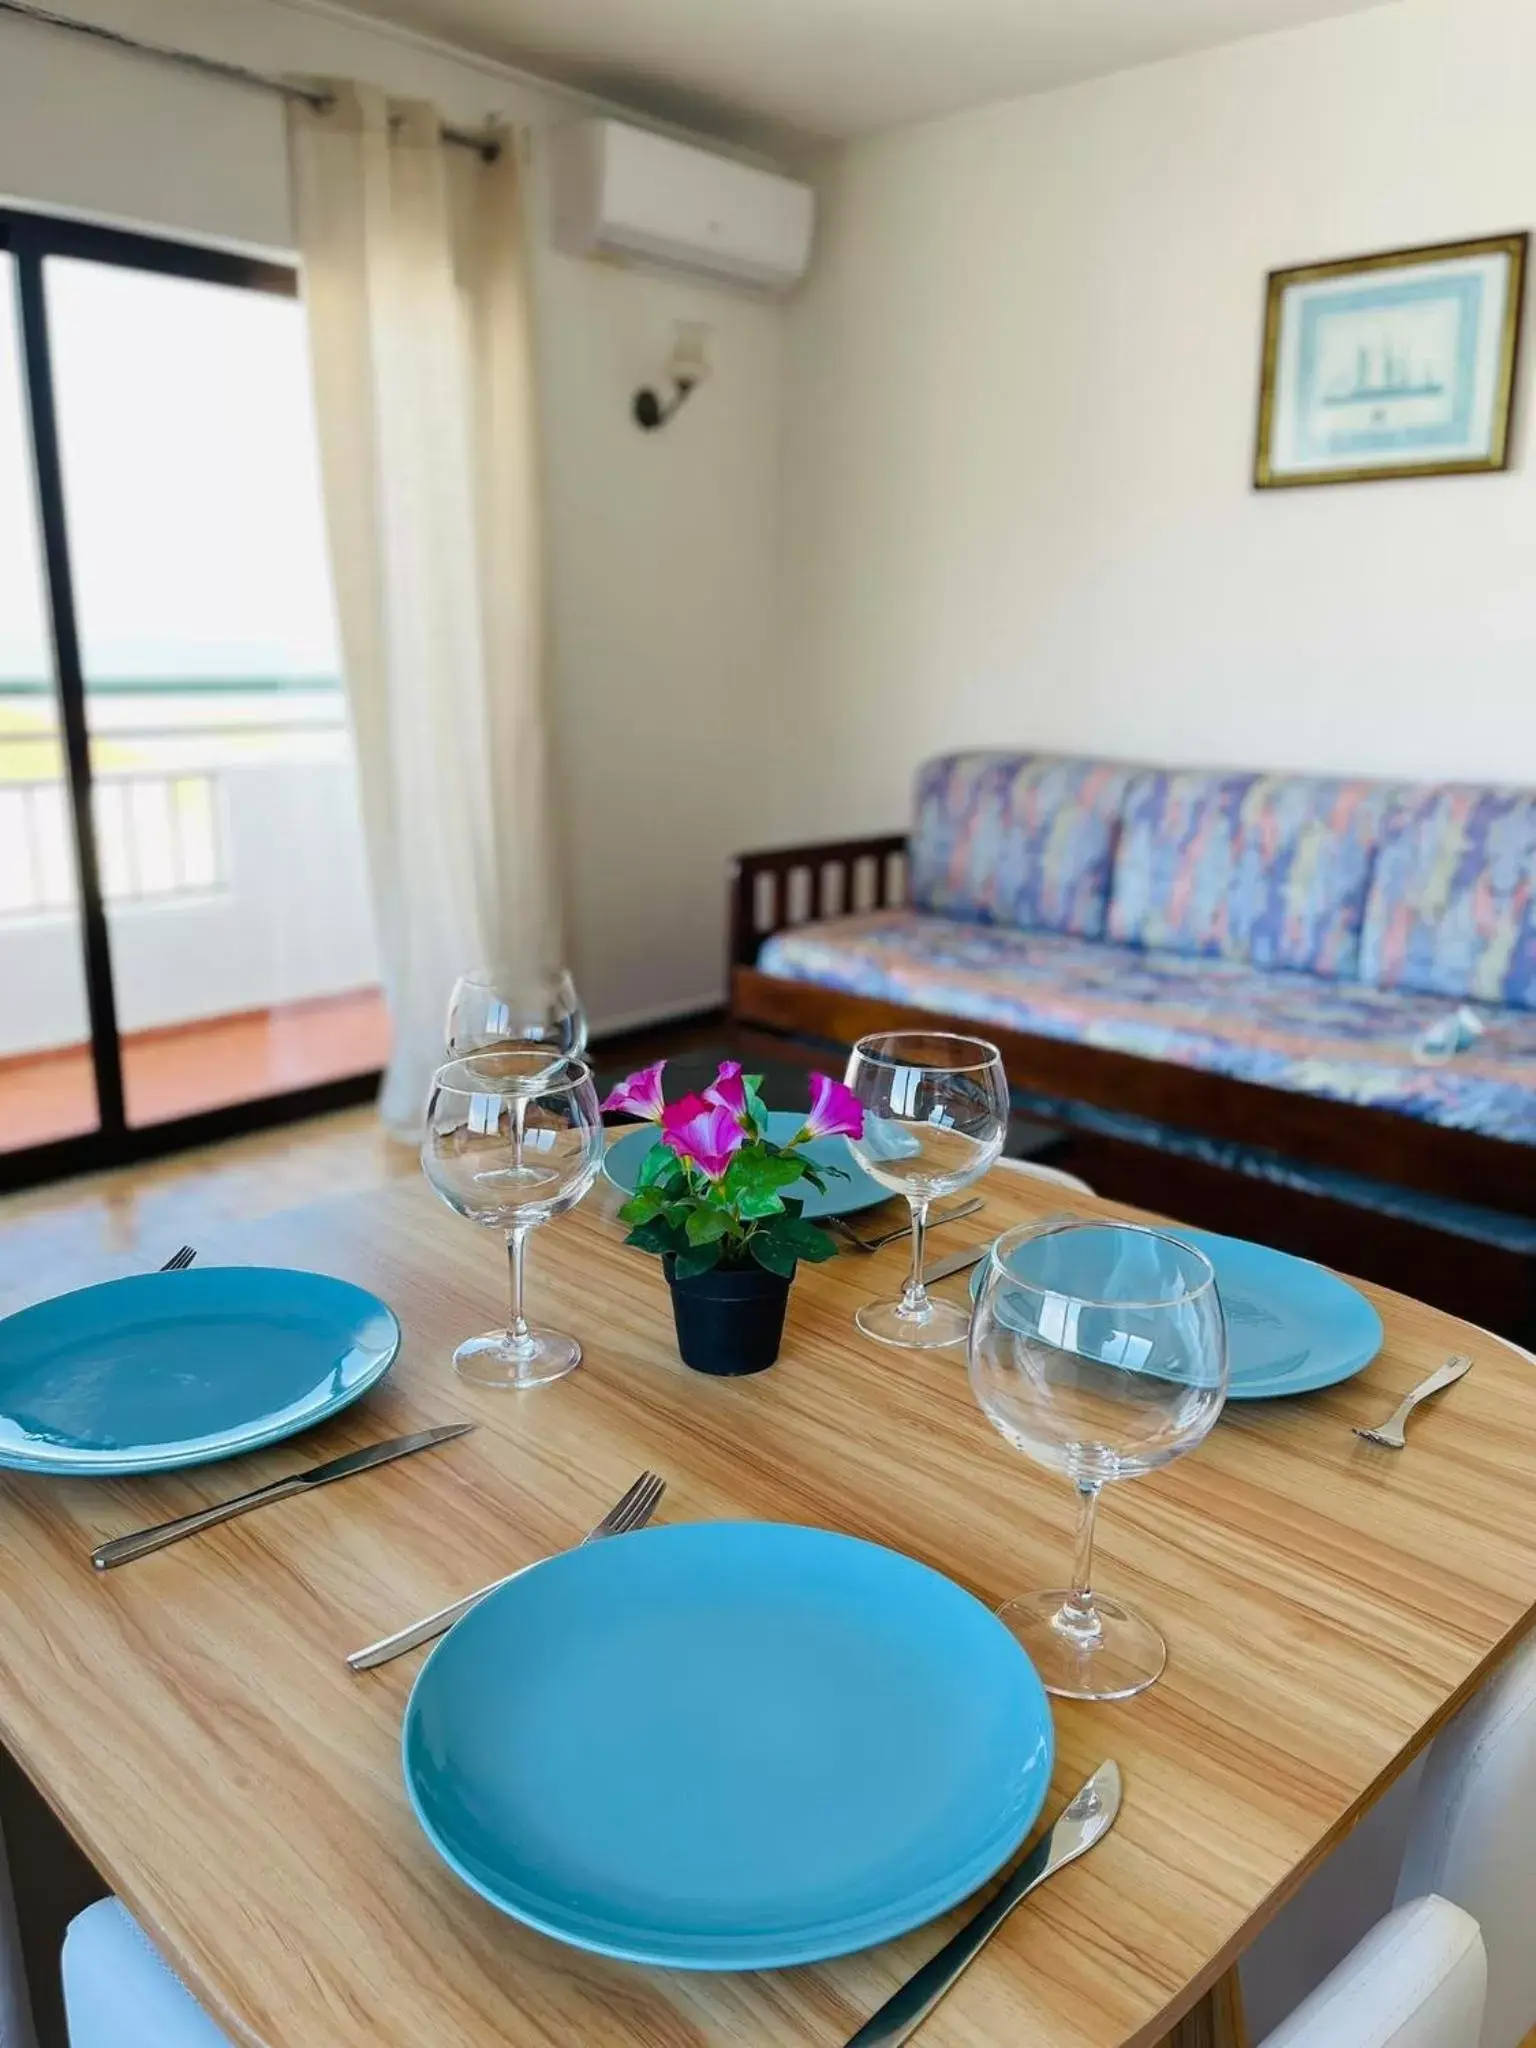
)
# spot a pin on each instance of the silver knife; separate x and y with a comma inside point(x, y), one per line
point(122, 1549)
point(961, 1262)
point(1080, 1824)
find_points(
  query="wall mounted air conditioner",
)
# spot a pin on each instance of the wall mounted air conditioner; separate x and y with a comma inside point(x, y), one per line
point(623, 192)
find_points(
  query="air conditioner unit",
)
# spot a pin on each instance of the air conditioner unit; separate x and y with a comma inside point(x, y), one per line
point(621, 191)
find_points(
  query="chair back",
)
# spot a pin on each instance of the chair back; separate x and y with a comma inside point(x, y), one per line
point(1417, 1980)
point(1473, 1837)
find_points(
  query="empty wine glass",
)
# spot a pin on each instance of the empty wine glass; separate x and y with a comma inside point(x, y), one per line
point(1100, 1351)
point(935, 1116)
point(513, 1139)
point(498, 1008)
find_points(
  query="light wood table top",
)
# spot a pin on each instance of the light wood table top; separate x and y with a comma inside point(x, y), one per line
point(192, 1721)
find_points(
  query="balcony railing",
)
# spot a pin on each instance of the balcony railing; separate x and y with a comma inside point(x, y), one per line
point(155, 745)
point(156, 836)
point(230, 850)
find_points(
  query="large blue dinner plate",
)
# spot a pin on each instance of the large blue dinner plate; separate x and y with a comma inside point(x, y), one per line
point(625, 1157)
point(168, 1369)
point(1292, 1326)
point(727, 1746)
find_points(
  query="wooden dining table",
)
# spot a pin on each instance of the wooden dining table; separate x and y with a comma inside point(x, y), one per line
point(191, 1719)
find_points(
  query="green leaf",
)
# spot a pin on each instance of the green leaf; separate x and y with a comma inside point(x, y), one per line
point(707, 1226)
point(698, 1259)
point(757, 1170)
point(793, 1204)
point(803, 1240)
point(813, 1175)
point(772, 1253)
point(659, 1166)
point(657, 1237)
point(753, 1208)
point(642, 1207)
point(753, 1084)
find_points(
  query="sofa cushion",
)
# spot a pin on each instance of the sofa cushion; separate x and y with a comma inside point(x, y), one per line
point(1017, 839)
point(1452, 907)
point(1340, 1040)
point(1271, 869)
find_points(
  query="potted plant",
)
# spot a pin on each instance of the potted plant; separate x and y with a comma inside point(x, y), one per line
point(712, 1204)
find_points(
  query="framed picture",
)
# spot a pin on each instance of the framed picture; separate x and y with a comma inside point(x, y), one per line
point(1393, 365)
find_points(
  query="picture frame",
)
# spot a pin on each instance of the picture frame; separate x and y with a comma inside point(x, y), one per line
point(1400, 364)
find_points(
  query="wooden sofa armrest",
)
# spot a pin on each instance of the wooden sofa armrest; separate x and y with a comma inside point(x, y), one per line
point(790, 885)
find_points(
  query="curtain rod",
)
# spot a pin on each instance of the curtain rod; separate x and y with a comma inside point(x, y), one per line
point(214, 67)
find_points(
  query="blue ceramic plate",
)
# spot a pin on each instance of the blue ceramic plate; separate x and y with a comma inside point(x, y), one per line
point(168, 1369)
point(727, 1746)
point(625, 1157)
point(1292, 1326)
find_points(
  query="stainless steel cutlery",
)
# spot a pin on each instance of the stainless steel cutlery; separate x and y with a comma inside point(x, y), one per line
point(122, 1549)
point(632, 1510)
point(178, 1262)
point(851, 1237)
point(1389, 1434)
point(1082, 1822)
point(960, 1262)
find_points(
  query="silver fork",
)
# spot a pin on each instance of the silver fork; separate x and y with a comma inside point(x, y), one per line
point(632, 1510)
point(850, 1236)
point(1390, 1434)
point(178, 1262)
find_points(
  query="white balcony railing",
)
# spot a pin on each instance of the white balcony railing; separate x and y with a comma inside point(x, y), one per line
point(231, 857)
point(156, 835)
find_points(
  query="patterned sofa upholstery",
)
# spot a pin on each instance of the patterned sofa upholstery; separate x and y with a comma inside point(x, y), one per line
point(1292, 930)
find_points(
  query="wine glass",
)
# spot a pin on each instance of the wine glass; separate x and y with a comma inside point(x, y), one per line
point(495, 1008)
point(512, 1140)
point(1100, 1351)
point(935, 1116)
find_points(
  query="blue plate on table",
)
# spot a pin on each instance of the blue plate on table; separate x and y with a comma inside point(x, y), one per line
point(727, 1746)
point(167, 1369)
point(1292, 1326)
point(625, 1157)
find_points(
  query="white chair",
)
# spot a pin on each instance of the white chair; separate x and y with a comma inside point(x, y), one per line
point(119, 1994)
point(1473, 1837)
point(1416, 1981)
point(1461, 1822)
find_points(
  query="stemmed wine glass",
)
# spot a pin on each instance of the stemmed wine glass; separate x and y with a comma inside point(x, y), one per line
point(498, 1009)
point(512, 1140)
point(1100, 1351)
point(935, 1117)
point(495, 1008)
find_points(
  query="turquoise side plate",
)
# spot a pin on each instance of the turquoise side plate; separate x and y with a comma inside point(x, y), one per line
point(727, 1746)
point(1292, 1326)
point(625, 1157)
point(167, 1369)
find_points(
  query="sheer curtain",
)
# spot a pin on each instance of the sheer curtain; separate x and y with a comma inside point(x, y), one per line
point(415, 278)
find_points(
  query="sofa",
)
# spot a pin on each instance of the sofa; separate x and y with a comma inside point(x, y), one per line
point(1331, 972)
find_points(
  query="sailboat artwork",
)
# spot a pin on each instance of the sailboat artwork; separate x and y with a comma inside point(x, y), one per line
point(1393, 365)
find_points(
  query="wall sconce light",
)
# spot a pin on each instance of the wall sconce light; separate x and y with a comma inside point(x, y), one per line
point(687, 366)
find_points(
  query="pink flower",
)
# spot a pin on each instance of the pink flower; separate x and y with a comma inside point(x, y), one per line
point(836, 1112)
point(728, 1091)
point(703, 1132)
point(640, 1094)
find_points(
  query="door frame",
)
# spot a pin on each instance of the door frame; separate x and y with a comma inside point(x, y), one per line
point(31, 238)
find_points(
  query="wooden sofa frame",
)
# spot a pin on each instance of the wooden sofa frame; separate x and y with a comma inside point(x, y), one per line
point(774, 890)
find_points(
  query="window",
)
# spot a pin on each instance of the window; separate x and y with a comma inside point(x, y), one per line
point(234, 961)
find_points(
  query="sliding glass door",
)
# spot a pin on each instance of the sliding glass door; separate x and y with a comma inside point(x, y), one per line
point(47, 1079)
point(207, 893)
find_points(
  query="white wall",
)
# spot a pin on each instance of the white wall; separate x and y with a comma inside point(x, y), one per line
point(662, 545)
point(1020, 417)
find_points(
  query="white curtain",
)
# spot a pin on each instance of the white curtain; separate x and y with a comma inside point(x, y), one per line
point(415, 278)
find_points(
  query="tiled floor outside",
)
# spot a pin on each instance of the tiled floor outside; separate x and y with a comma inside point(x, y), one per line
point(206, 1065)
